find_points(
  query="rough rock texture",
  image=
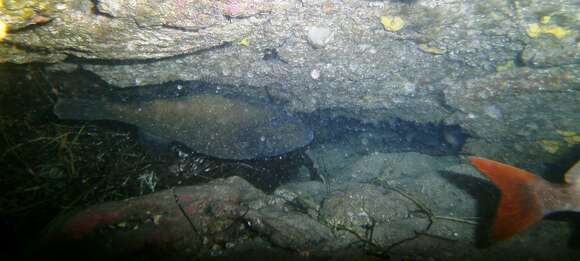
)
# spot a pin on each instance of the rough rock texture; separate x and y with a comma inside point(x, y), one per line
point(139, 30)
point(505, 71)
point(438, 209)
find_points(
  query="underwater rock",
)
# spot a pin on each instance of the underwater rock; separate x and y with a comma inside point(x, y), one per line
point(290, 230)
point(211, 124)
point(173, 219)
point(138, 29)
point(432, 208)
point(503, 105)
point(318, 37)
point(550, 52)
point(359, 208)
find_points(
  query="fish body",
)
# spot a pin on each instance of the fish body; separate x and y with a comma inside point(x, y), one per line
point(527, 198)
point(211, 124)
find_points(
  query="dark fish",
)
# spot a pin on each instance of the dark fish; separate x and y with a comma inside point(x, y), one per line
point(527, 198)
point(211, 124)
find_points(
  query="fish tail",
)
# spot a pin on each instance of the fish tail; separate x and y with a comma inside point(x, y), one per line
point(80, 109)
point(519, 205)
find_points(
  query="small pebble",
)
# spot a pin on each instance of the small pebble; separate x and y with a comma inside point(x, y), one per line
point(319, 37)
point(315, 74)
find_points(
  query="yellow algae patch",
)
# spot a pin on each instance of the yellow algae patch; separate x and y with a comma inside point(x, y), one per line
point(556, 31)
point(551, 146)
point(3, 30)
point(534, 30)
point(566, 133)
point(392, 24)
point(571, 137)
point(572, 140)
point(545, 19)
point(432, 50)
point(157, 219)
point(245, 42)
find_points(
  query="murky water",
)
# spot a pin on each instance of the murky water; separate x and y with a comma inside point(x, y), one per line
point(51, 165)
point(347, 130)
point(54, 166)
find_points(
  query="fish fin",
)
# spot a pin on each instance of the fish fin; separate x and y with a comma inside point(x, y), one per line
point(155, 144)
point(81, 109)
point(519, 205)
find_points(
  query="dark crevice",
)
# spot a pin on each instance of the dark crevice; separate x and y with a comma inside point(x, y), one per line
point(27, 48)
point(30, 27)
point(231, 19)
point(133, 61)
point(73, 57)
point(439, 96)
point(46, 51)
point(394, 135)
point(554, 170)
point(519, 61)
point(95, 10)
point(184, 29)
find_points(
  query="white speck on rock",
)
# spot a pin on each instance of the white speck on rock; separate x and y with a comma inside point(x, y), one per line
point(380, 5)
point(318, 37)
point(60, 6)
point(315, 74)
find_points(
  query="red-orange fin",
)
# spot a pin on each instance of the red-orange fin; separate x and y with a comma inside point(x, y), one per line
point(519, 205)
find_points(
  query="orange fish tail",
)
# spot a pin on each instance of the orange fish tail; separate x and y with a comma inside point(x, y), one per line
point(519, 205)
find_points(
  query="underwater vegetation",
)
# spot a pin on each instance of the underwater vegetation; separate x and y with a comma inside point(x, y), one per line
point(49, 167)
